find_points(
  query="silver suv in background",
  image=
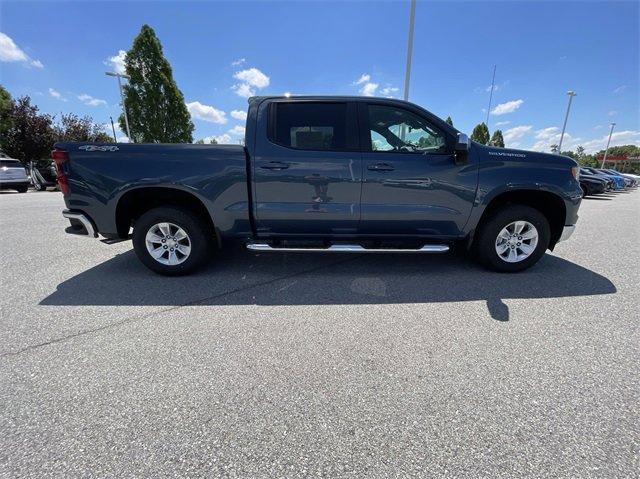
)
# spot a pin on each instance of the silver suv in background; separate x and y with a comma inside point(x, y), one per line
point(13, 175)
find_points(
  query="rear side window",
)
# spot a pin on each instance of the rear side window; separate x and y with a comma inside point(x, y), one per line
point(310, 126)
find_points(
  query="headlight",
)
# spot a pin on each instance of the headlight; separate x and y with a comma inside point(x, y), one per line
point(575, 171)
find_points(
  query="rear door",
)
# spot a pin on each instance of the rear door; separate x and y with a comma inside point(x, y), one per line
point(307, 169)
point(411, 183)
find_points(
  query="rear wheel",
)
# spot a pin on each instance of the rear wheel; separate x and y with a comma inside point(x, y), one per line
point(22, 189)
point(512, 239)
point(171, 241)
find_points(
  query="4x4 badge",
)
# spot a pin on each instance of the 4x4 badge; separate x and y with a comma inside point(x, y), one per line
point(98, 148)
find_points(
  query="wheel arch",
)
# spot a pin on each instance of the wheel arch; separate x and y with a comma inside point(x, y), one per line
point(550, 204)
point(135, 202)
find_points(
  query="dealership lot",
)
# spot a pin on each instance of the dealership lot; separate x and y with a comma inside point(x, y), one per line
point(304, 365)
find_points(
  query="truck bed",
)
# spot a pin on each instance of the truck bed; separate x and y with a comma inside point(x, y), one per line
point(100, 175)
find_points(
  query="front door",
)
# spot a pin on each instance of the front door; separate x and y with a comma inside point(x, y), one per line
point(308, 175)
point(411, 183)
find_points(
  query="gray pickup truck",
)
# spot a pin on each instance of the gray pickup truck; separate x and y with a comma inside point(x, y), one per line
point(323, 174)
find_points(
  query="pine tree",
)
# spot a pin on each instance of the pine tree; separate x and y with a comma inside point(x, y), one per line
point(497, 139)
point(480, 134)
point(449, 120)
point(156, 107)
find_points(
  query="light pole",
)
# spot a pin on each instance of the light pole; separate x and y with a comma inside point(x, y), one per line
point(407, 73)
point(566, 117)
point(493, 82)
point(606, 151)
point(113, 128)
point(124, 108)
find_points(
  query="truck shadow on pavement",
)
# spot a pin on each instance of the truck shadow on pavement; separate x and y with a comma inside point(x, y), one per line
point(238, 277)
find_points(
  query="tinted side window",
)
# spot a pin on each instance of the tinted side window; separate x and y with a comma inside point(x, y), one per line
point(311, 126)
point(399, 130)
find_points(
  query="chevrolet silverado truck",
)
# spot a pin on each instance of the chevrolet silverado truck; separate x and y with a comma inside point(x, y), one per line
point(322, 174)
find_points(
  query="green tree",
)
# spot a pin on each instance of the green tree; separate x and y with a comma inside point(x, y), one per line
point(6, 104)
point(30, 135)
point(213, 141)
point(480, 134)
point(74, 128)
point(497, 139)
point(156, 107)
point(449, 120)
point(199, 142)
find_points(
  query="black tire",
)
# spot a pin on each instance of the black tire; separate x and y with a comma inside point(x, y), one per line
point(485, 240)
point(198, 231)
point(22, 189)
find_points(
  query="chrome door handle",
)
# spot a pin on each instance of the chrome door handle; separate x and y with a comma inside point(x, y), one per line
point(275, 165)
point(381, 167)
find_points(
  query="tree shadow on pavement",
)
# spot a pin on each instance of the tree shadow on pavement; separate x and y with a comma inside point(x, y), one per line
point(238, 277)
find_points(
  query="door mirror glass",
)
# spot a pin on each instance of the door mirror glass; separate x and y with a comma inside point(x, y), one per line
point(463, 142)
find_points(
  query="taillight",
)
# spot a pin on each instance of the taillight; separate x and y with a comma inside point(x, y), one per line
point(61, 157)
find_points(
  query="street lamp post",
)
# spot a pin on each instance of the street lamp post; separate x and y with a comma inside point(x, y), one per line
point(606, 151)
point(113, 128)
point(493, 83)
point(119, 76)
point(407, 73)
point(566, 117)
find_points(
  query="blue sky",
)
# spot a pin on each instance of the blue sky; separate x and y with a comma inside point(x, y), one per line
point(57, 52)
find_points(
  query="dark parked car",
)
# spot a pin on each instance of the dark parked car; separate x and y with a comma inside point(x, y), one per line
point(591, 185)
point(610, 183)
point(323, 174)
point(619, 183)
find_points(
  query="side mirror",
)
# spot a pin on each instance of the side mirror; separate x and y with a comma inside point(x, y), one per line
point(463, 142)
point(462, 149)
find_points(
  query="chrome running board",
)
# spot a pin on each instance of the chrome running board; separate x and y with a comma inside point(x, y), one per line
point(348, 248)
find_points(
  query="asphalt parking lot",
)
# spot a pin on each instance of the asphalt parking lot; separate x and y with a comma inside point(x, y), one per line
point(304, 365)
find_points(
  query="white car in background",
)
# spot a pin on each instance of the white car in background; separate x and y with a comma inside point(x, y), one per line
point(13, 175)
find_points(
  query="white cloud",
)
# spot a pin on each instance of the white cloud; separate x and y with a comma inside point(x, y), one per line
point(10, 52)
point(238, 62)
point(502, 123)
point(548, 133)
point(515, 133)
point(206, 113)
point(597, 127)
point(368, 88)
point(223, 139)
point(389, 91)
point(91, 101)
point(251, 79)
point(364, 78)
point(239, 114)
point(612, 113)
point(117, 61)
point(620, 89)
point(626, 137)
point(243, 90)
point(237, 130)
point(508, 107)
point(551, 136)
point(56, 94)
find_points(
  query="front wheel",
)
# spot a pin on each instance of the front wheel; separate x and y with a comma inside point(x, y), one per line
point(512, 239)
point(171, 241)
